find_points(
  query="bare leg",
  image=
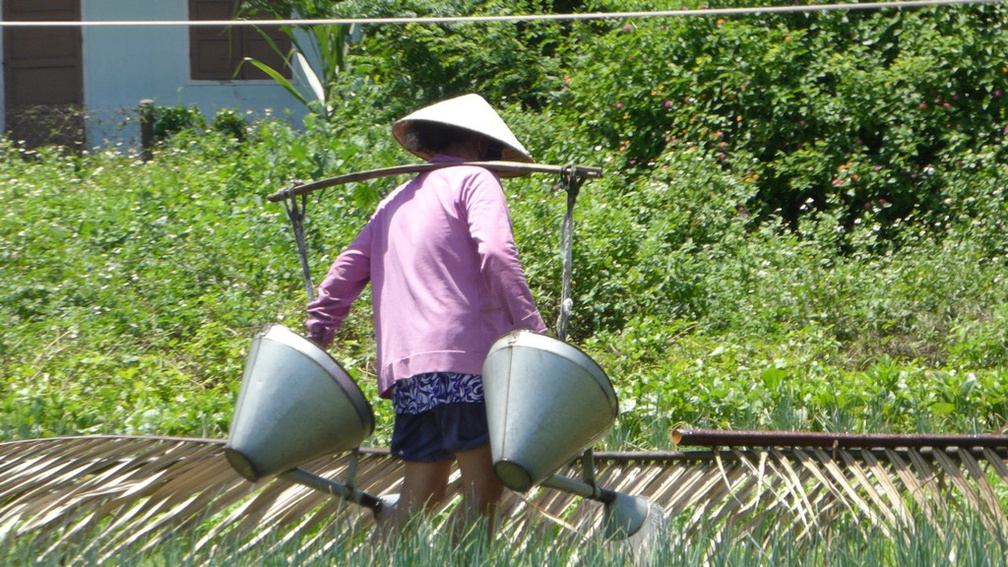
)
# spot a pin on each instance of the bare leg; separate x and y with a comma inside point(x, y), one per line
point(481, 489)
point(423, 488)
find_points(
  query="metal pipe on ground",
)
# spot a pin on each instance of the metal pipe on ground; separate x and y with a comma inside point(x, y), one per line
point(724, 438)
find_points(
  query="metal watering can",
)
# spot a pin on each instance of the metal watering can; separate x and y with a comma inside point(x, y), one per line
point(547, 402)
point(296, 404)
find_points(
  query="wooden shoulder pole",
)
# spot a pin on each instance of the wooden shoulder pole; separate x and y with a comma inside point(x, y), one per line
point(501, 166)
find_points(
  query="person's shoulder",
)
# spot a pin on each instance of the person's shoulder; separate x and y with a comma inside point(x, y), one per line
point(394, 196)
point(474, 174)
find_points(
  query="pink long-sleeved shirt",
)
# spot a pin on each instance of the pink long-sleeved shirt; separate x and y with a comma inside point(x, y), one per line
point(445, 277)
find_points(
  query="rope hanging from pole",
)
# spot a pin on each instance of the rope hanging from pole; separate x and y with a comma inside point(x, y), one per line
point(296, 213)
point(572, 184)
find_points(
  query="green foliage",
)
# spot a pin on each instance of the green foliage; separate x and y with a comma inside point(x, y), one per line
point(131, 289)
point(801, 224)
point(506, 62)
point(170, 120)
point(318, 52)
point(831, 111)
point(231, 124)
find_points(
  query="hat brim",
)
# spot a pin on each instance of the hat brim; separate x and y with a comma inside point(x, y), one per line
point(468, 112)
point(401, 131)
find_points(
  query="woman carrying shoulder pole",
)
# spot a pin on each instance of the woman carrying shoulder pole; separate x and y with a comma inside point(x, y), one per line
point(446, 282)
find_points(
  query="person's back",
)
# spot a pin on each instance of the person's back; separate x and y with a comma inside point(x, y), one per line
point(446, 280)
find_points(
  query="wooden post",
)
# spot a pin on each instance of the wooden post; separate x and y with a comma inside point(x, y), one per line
point(147, 128)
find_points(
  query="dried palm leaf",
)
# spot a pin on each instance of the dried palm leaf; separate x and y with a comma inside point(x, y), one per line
point(86, 498)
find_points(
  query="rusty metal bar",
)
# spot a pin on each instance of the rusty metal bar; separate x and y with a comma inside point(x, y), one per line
point(703, 455)
point(723, 438)
point(501, 166)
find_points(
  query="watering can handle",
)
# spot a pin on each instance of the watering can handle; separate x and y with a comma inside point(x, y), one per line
point(588, 466)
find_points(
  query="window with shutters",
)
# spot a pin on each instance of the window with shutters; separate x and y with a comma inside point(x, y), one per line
point(216, 52)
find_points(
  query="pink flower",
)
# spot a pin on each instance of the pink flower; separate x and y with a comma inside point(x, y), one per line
point(619, 105)
point(668, 104)
point(628, 27)
point(997, 93)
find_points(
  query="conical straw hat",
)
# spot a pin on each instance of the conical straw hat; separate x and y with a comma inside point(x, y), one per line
point(469, 112)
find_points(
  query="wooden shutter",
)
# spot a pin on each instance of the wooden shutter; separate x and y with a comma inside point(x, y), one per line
point(216, 52)
point(43, 74)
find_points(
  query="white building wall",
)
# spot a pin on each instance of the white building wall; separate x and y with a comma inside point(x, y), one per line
point(126, 64)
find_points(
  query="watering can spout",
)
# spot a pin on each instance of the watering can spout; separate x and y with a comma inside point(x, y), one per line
point(546, 402)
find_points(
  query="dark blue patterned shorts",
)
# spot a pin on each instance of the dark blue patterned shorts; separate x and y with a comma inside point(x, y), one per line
point(454, 419)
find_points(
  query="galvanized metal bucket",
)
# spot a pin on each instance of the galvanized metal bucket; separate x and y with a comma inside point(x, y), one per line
point(546, 402)
point(296, 403)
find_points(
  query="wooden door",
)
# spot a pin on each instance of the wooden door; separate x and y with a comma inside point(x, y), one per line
point(43, 74)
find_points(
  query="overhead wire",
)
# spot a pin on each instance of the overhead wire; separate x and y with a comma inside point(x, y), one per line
point(699, 12)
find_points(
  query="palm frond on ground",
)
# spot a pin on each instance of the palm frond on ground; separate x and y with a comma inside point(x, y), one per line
point(83, 499)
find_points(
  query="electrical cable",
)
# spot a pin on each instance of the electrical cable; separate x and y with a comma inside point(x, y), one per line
point(703, 12)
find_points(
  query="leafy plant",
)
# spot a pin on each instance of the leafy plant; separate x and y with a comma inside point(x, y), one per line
point(318, 52)
point(170, 120)
point(508, 63)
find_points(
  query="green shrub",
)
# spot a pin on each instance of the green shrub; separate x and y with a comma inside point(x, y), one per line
point(825, 111)
point(170, 120)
